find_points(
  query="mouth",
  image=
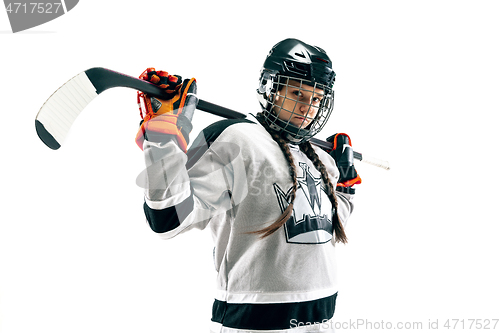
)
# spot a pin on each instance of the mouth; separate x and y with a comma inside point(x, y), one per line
point(300, 122)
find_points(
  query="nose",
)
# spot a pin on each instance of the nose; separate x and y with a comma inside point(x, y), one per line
point(304, 108)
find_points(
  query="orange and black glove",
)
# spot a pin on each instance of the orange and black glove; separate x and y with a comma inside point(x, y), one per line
point(343, 155)
point(170, 118)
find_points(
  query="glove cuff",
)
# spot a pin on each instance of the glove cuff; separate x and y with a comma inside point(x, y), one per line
point(156, 130)
point(351, 182)
point(347, 190)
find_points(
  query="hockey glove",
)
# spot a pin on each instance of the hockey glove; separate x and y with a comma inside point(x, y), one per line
point(169, 118)
point(342, 153)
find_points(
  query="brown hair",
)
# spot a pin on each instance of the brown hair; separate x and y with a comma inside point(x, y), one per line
point(308, 150)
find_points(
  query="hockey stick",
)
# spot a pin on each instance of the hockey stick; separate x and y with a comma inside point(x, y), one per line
point(61, 109)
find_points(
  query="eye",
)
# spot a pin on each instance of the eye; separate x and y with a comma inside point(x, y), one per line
point(316, 99)
point(297, 93)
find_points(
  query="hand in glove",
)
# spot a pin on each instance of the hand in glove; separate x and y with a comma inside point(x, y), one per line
point(169, 118)
point(342, 153)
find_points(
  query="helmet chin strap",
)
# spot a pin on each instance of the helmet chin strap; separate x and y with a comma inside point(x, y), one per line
point(292, 139)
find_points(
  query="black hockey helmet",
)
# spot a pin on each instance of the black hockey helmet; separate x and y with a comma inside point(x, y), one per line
point(306, 65)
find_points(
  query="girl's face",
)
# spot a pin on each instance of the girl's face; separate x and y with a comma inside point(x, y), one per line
point(297, 104)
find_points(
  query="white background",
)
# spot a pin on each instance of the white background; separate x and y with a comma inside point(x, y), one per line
point(417, 84)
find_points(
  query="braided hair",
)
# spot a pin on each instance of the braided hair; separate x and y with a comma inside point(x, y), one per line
point(308, 150)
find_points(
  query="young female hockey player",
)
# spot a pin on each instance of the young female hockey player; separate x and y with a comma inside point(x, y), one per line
point(275, 204)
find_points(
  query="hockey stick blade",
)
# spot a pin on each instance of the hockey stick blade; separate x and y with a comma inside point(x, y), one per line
point(58, 113)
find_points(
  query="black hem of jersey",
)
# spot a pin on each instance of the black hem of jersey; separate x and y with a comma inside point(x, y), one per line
point(272, 316)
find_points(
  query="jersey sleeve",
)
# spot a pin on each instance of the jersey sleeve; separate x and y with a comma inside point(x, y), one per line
point(184, 191)
point(169, 202)
point(345, 206)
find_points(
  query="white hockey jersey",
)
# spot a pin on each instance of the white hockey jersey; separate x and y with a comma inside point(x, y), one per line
point(235, 180)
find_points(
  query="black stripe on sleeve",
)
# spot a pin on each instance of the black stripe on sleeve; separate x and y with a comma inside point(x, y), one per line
point(273, 316)
point(163, 220)
point(207, 136)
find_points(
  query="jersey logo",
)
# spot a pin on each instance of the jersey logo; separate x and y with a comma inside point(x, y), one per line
point(311, 220)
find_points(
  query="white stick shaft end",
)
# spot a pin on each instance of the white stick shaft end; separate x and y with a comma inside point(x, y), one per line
point(376, 162)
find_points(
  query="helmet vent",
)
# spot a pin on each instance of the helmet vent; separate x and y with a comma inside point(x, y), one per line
point(300, 55)
point(296, 68)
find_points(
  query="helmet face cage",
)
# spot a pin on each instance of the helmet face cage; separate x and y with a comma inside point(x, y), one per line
point(282, 102)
